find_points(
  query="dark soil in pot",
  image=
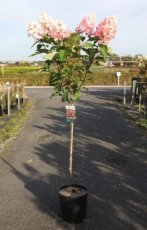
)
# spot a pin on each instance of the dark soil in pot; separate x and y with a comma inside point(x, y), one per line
point(73, 202)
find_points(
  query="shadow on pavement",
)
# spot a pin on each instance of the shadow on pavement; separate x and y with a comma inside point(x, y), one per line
point(109, 159)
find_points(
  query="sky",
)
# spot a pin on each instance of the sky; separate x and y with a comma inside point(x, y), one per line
point(15, 15)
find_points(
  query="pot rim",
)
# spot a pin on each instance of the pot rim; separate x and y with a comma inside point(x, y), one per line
point(74, 185)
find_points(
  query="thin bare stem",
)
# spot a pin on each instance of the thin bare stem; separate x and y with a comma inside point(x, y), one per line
point(88, 67)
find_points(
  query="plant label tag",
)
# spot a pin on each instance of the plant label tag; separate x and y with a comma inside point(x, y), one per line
point(70, 113)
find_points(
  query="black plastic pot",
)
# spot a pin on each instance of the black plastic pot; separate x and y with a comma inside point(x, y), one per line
point(73, 203)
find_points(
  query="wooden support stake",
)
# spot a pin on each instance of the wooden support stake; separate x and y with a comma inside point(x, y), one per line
point(71, 152)
point(140, 98)
point(133, 91)
point(18, 99)
point(8, 104)
point(124, 99)
point(23, 93)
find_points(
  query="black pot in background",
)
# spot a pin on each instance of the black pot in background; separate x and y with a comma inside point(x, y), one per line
point(73, 203)
point(1, 111)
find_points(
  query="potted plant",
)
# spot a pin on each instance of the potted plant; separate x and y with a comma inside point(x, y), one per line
point(68, 58)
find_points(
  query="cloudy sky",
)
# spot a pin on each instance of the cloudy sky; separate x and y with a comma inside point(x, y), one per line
point(15, 15)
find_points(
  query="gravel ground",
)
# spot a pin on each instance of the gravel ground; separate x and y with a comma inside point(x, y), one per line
point(110, 159)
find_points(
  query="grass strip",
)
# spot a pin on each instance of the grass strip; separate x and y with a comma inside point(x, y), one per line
point(133, 116)
point(14, 124)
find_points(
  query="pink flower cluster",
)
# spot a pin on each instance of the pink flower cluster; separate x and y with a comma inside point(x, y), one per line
point(47, 26)
point(57, 30)
point(87, 25)
point(106, 30)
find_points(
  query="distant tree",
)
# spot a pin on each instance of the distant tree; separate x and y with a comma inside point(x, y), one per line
point(127, 58)
point(114, 57)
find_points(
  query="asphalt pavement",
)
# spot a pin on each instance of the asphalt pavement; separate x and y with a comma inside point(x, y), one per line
point(110, 159)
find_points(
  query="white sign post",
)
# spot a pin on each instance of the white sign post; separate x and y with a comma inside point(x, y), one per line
point(118, 74)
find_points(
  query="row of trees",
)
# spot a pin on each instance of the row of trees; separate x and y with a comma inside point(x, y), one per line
point(114, 57)
point(137, 57)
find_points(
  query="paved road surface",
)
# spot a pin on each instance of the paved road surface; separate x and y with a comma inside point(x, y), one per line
point(110, 159)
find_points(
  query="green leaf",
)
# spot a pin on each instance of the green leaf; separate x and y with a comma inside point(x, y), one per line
point(51, 55)
point(104, 51)
point(62, 54)
point(86, 45)
point(39, 46)
point(89, 71)
point(101, 63)
point(76, 96)
point(65, 96)
point(55, 79)
point(110, 51)
point(87, 51)
point(34, 54)
point(73, 40)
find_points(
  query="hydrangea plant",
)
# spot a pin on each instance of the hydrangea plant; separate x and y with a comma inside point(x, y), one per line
point(69, 55)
